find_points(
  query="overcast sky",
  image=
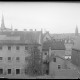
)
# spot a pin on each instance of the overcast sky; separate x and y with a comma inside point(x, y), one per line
point(54, 17)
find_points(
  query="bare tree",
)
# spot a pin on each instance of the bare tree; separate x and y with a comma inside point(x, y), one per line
point(34, 61)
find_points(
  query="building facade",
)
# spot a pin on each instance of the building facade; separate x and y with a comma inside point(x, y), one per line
point(75, 58)
point(14, 49)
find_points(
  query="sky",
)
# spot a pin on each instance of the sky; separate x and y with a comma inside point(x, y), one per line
point(55, 17)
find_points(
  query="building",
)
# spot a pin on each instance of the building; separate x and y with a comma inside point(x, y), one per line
point(3, 27)
point(68, 45)
point(76, 31)
point(14, 46)
point(75, 58)
point(66, 36)
point(50, 48)
point(57, 63)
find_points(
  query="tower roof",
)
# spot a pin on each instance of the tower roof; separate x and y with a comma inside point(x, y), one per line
point(2, 23)
point(76, 31)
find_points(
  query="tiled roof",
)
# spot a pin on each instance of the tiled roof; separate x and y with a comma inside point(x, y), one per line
point(45, 34)
point(55, 45)
point(25, 37)
point(63, 36)
point(52, 56)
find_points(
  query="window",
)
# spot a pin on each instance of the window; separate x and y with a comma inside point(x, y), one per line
point(59, 66)
point(0, 47)
point(9, 58)
point(9, 71)
point(1, 71)
point(9, 47)
point(26, 58)
point(47, 72)
point(17, 71)
point(35, 71)
point(45, 53)
point(17, 58)
point(26, 48)
point(54, 59)
point(17, 47)
point(0, 58)
point(67, 57)
point(45, 62)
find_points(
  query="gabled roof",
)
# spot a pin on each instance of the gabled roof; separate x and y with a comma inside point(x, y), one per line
point(25, 37)
point(60, 57)
point(55, 45)
point(53, 56)
point(47, 33)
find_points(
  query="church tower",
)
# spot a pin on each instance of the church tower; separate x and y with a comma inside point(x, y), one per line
point(76, 31)
point(2, 23)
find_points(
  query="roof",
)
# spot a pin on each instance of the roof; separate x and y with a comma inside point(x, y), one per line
point(53, 55)
point(55, 45)
point(63, 36)
point(60, 57)
point(46, 34)
point(19, 37)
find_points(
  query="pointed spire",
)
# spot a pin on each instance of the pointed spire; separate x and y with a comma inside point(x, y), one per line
point(2, 23)
point(41, 30)
point(76, 31)
point(11, 27)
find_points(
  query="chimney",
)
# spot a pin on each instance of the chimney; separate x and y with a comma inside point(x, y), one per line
point(49, 51)
point(31, 29)
point(47, 31)
point(25, 29)
point(15, 29)
point(35, 29)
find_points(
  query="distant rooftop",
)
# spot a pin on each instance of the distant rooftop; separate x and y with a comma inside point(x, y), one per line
point(19, 37)
point(55, 45)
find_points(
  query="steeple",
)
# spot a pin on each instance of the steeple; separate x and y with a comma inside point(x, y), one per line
point(76, 31)
point(11, 27)
point(2, 23)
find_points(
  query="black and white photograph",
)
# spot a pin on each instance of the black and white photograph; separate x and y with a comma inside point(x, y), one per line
point(40, 40)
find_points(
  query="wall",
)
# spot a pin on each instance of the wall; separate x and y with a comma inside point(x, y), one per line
point(13, 53)
point(75, 58)
point(53, 66)
point(68, 50)
point(58, 52)
point(44, 56)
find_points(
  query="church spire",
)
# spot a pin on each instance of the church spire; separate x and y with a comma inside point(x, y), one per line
point(11, 27)
point(2, 23)
point(76, 31)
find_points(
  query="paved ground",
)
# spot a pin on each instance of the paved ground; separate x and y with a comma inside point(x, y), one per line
point(28, 77)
